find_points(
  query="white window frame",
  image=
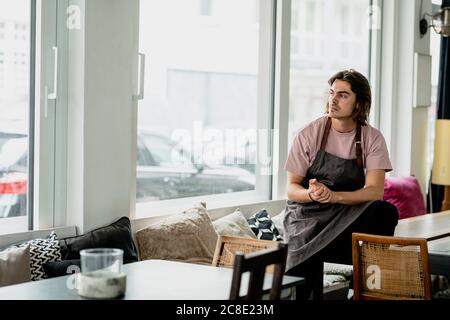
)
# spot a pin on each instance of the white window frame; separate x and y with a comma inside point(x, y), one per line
point(375, 60)
point(281, 98)
point(403, 126)
point(42, 177)
point(13, 224)
point(266, 79)
point(50, 157)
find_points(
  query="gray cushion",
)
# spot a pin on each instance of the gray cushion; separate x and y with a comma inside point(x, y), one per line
point(278, 222)
point(62, 268)
point(338, 269)
point(332, 279)
point(234, 224)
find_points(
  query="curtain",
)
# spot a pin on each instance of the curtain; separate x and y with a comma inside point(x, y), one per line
point(434, 200)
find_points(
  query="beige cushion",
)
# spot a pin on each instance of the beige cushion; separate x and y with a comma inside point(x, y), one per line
point(234, 224)
point(278, 222)
point(15, 266)
point(188, 236)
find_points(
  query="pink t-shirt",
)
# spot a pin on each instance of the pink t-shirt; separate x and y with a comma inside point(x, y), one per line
point(307, 142)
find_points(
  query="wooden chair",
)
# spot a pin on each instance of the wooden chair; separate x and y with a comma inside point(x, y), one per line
point(227, 246)
point(390, 268)
point(256, 264)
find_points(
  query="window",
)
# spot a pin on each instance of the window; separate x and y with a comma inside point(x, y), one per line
point(323, 51)
point(2, 30)
point(15, 26)
point(205, 7)
point(200, 123)
point(27, 72)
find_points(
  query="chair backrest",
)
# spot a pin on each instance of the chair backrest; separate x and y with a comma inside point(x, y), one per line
point(390, 268)
point(227, 246)
point(255, 263)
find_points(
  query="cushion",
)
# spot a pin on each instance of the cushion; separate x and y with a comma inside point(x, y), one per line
point(332, 279)
point(116, 235)
point(41, 252)
point(278, 222)
point(440, 286)
point(62, 268)
point(405, 194)
point(338, 269)
point(15, 265)
point(233, 224)
point(188, 236)
point(263, 227)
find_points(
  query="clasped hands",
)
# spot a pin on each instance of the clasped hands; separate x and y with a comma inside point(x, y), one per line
point(319, 192)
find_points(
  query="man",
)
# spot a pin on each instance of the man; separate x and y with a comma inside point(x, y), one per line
point(336, 169)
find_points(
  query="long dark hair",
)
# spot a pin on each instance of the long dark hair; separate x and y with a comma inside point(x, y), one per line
point(361, 87)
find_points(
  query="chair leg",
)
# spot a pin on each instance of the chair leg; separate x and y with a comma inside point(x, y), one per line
point(318, 281)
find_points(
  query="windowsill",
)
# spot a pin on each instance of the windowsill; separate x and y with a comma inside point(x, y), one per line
point(13, 225)
point(167, 207)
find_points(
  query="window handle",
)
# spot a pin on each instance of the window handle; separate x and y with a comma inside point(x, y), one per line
point(53, 95)
point(46, 102)
point(140, 95)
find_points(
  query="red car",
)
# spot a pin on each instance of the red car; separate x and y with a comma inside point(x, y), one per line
point(13, 174)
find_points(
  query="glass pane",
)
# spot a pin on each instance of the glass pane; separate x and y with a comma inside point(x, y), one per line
point(197, 123)
point(14, 107)
point(327, 36)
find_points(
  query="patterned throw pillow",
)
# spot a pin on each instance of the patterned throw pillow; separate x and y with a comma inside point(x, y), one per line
point(263, 227)
point(41, 252)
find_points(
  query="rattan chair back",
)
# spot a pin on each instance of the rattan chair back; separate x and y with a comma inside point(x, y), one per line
point(256, 264)
point(390, 268)
point(227, 246)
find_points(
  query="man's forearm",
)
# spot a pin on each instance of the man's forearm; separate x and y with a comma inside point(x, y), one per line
point(358, 196)
point(297, 193)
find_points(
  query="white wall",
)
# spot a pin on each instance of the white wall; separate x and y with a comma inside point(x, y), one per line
point(419, 133)
point(404, 127)
point(101, 122)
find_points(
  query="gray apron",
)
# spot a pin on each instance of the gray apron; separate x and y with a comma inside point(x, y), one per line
point(310, 227)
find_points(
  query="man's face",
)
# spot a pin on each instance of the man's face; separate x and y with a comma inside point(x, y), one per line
point(341, 100)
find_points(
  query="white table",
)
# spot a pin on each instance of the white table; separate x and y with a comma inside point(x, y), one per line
point(150, 280)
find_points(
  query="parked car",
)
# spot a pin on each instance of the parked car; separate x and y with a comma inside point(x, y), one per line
point(13, 174)
point(167, 171)
point(164, 171)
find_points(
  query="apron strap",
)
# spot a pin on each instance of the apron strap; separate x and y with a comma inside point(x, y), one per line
point(358, 146)
point(325, 134)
